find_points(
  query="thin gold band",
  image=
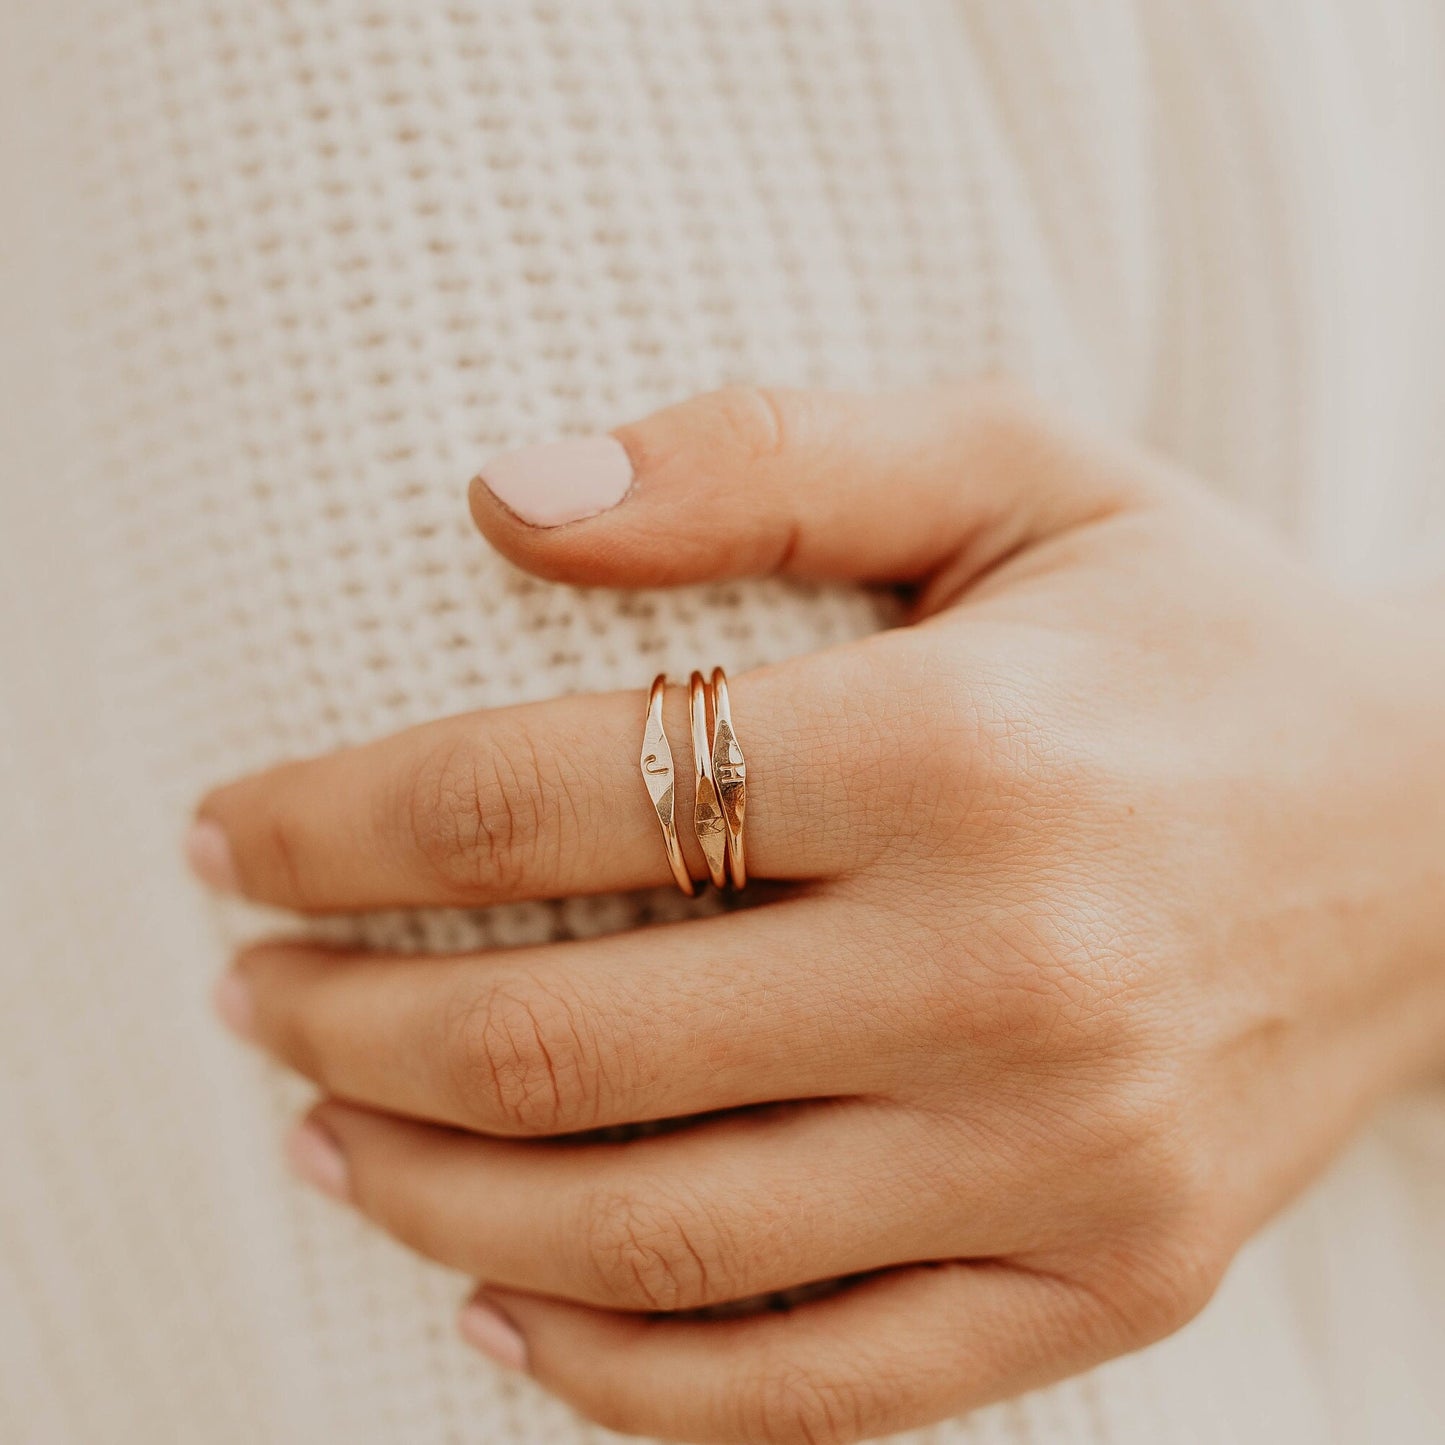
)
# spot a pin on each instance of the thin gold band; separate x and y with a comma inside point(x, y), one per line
point(657, 773)
point(720, 773)
point(729, 775)
point(707, 815)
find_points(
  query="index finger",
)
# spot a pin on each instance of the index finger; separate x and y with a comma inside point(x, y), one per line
point(541, 800)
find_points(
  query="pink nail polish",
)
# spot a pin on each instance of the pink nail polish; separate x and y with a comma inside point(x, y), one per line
point(208, 851)
point(234, 1004)
point(562, 482)
point(486, 1328)
point(316, 1157)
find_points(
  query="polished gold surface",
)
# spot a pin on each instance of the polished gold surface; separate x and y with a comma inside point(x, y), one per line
point(708, 820)
point(720, 772)
point(729, 772)
point(658, 774)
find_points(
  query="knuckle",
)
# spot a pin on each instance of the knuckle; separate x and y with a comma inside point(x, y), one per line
point(994, 744)
point(1179, 1276)
point(649, 1253)
point(474, 816)
point(974, 740)
point(1050, 981)
point(519, 1057)
point(790, 1405)
point(1150, 1139)
point(989, 734)
point(1073, 987)
point(1165, 1266)
point(1163, 1287)
point(758, 419)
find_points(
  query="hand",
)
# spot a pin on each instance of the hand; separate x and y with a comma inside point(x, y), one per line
point(1117, 905)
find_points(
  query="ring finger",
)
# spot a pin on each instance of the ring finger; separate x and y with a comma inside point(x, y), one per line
point(717, 1212)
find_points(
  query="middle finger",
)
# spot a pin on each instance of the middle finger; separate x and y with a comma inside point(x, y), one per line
point(679, 1019)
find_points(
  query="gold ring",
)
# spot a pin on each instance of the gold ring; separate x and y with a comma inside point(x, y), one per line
point(720, 773)
point(708, 820)
point(729, 774)
point(657, 773)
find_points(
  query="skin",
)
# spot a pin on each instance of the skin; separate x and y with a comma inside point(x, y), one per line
point(1111, 904)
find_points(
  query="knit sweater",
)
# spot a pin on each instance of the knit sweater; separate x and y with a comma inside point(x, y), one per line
point(276, 275)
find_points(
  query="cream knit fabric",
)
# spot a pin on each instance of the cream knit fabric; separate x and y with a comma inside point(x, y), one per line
point(275, 277)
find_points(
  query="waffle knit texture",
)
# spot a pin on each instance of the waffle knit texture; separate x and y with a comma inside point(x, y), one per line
point(276, 275)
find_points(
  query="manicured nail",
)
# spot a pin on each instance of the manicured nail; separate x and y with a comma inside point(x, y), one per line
point(233, 1002)
point(209, 853)
point(316, 1157)
point(562, 482)
point(484, 1327)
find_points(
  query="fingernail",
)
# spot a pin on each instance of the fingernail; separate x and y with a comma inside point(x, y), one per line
point(316, 1158)
point(562, 482)
point(209, 854)
point(233, 1002)
point(484, 1327)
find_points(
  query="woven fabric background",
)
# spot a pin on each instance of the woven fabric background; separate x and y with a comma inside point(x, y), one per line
point(274, 279)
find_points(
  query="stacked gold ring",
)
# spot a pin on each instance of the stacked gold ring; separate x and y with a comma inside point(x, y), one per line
point(720, 772)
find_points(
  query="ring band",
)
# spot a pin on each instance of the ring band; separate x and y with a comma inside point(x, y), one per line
point(708, 820)
point(720, 773)
point(729, 775)
point(657, 773)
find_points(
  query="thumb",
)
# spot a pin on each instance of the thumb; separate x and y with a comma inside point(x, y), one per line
point(750, 482)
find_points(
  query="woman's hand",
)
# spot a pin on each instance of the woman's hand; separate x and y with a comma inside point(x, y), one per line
point(1118, 902)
